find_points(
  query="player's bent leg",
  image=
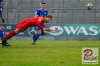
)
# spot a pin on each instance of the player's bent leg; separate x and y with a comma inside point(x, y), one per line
point(44, 33)
point(34, 33)
point(36, 37)
point(11, 34)
point(17, 31)
point(39, 32)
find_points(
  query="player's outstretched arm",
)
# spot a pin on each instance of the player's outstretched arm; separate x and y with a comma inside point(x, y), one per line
point(45, 29)
point(38, 24)
point(49, 30)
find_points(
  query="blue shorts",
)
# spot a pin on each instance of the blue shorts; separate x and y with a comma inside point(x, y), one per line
point(37, 28)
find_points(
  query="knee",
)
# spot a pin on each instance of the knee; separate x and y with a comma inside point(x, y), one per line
point(39, 32)
point(17, 31)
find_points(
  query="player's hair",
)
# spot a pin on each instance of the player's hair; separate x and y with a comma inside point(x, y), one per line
point(43, 3)
point(1, 0)
point(49, 16)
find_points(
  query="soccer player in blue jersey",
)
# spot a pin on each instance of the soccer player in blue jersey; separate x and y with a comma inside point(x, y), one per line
point(40, 12)
point(1, 10)
point(1, 28)
point(1, 32)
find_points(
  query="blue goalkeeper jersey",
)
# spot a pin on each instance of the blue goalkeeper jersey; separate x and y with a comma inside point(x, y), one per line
point(39, 12)
point(1, 5)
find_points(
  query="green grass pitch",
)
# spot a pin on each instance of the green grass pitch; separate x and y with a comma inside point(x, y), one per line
point(46, 53)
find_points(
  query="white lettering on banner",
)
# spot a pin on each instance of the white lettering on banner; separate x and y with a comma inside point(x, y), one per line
point(21, 33)
point(93, 30)
point(8, 27)
point(6, 32)
point(71, 29)
point(82, 30)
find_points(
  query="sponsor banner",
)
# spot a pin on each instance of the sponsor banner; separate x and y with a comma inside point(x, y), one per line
point(60, 30)
point(75, 30)
point(89, 55)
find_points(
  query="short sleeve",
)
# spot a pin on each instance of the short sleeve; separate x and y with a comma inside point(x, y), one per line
point(41, 19)
point(40, 22)
point(47, 12)
point(37, 12)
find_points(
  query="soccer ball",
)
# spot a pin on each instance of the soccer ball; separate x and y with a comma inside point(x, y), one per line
point(89, 6)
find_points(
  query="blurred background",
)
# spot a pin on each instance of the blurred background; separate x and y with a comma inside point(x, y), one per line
point(63, 11)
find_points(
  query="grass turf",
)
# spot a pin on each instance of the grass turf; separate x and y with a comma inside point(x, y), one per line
point(46, 53)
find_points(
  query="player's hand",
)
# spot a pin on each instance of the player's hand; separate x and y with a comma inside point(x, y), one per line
point(49, 30)
point(45, 29)
point(3, 20)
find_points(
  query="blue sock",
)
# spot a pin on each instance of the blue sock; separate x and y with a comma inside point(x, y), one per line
point(1, 34)
point(36, 37)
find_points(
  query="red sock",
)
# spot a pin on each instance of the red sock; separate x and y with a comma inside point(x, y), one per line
point(11, 34)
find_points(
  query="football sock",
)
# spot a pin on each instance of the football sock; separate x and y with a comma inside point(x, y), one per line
point(36, 37)
point(1, 34)
point(11, 34)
